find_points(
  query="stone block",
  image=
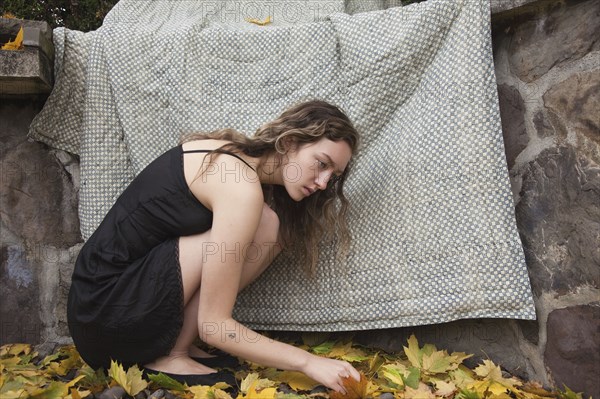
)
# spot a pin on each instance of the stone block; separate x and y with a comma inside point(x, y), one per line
point(559, 220)
point(19, 283)
point(39, 196)
point(573, 348)
point(563, 32)
point(576, 101)
point(27, 71)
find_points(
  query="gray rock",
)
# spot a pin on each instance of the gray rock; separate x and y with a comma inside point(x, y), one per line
point(576, 101)
point(159, 394)
point(512, 113)
point(566, 31)
point(141, 395)
point(573, 348)
point(386, 395)
point(116, 392)
point(45, 349)
point(169, 395)
point(559, 220)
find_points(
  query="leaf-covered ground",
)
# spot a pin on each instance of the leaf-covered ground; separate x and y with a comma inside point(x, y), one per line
point(420, 372)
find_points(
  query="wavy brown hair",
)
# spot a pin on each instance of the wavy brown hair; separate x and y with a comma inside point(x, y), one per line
point(322, 215)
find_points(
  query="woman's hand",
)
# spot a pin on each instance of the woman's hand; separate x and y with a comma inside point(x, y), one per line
point(330, 372)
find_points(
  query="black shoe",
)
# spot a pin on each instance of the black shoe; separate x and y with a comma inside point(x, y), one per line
point(199, 379)
point(220, 361)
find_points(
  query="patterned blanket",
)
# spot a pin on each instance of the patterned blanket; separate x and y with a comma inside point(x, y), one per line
point(433, 224)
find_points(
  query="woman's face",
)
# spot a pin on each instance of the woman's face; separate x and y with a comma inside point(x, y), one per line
point(309, 167)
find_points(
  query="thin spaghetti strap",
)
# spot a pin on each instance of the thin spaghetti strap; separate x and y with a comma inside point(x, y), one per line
point(185, 152)
point(221, 152)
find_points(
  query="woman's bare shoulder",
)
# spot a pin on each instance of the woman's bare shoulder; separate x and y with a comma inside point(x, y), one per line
point(225, 176)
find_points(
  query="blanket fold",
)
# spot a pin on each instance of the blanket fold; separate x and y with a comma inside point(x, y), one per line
point(432, 217)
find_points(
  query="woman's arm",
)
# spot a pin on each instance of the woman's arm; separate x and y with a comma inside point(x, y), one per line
point(237, 207)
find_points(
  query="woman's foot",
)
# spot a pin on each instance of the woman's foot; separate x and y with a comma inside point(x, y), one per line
point(179, 364)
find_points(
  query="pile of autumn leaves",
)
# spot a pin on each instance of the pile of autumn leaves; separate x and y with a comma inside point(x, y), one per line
point(421, 373)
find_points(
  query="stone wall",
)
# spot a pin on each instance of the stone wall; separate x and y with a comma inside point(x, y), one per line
point(548, 70)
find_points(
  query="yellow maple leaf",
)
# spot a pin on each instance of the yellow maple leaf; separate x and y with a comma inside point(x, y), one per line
point(259, 22)
point(297, 381)
point(444, 388)
point(69, 359)
point(16, 44)
point(413, 352)
point(437, 362)
point(462, 376)
point(253, 382)
point(490, 371)
point(267, 393)
point(422, 392)
point(15, 349)
point(348, 353)
point(132, 381)
point(206, 392)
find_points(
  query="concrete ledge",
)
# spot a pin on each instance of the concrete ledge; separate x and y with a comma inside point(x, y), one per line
point(27, 71)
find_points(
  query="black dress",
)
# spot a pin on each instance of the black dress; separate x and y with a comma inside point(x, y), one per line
point(126, 297)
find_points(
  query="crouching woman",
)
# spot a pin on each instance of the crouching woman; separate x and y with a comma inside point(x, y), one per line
point(167, 262)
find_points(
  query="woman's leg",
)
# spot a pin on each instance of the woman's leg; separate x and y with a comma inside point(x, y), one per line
point(259, 255)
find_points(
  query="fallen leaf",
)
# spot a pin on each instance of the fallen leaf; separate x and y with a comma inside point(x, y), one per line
point(413, 377)
point(206, 392)
point(354, 389)
point(569, 394)
point(444, 388)
point(167, 382)
point(297, 381)
point(413, 352)
point(394, 373)
point(348, 353)
point(267, 393)
point(16, 44)
point(94, 380)
point(15, 349)
point(375, 363)
point(259, 22)
point(421, 392)
point(323, 348)
point(437, 362)
point(462, 376)
point(132, 381)
point(490, 371)
point(536, 388)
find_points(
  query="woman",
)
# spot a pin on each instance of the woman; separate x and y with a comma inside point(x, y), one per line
point(194, 228)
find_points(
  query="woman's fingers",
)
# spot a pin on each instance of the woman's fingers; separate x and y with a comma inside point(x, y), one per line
point(354, 373)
